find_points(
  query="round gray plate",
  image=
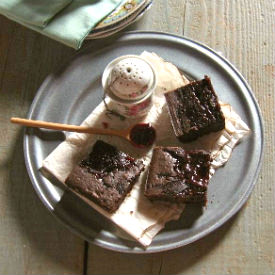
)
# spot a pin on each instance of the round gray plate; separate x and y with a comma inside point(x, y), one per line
point(70, 94)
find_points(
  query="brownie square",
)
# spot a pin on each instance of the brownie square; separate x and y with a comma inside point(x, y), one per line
point(177, 175)
point(106, 176)
point(194, 110)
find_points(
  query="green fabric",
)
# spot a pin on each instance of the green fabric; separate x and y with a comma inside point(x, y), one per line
point(32, 11)
point(71, 25)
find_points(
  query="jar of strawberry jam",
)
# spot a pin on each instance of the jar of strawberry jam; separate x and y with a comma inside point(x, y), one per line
point(129, 81)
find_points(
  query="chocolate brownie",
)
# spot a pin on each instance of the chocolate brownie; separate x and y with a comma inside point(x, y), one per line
point(106, 176)
point(178, 175)
point(194, 110)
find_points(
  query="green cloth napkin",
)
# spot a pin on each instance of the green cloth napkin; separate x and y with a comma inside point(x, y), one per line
point(67, 21)
point(32, 11)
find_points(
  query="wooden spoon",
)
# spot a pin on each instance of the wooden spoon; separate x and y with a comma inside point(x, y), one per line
point(140, 135)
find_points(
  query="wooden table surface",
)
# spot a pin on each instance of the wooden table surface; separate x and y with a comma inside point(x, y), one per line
point(32, 241)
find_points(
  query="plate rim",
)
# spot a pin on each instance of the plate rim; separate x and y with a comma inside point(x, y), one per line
point(121, 18)
point(131, 19)
point(237, 206)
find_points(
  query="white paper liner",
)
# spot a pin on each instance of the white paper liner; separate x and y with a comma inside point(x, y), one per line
point(138, 216)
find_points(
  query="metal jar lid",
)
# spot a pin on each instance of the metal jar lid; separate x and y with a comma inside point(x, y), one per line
point(128, 79)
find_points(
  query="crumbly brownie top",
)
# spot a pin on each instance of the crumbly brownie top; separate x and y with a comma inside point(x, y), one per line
point(105, 176)
point(205, 93)
point(178, 175)
point(194, 110)
point(106, 158)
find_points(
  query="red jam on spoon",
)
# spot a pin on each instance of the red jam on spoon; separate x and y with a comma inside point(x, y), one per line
point(143, 135)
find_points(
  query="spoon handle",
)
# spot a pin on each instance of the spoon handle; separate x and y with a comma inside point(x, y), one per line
point(63, 127)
